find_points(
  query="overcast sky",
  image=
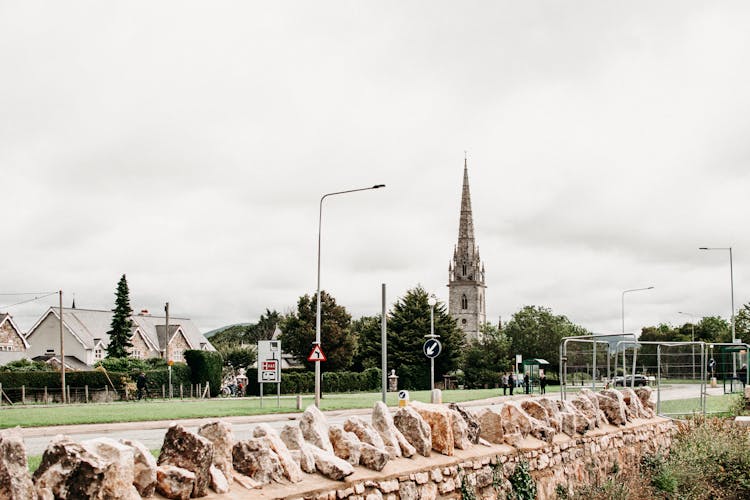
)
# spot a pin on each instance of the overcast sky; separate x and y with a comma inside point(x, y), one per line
point(188, 144)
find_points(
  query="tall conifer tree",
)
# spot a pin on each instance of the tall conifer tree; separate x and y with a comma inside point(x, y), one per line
point(119, 333)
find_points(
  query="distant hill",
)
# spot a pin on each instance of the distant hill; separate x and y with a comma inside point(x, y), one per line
point(213, 332)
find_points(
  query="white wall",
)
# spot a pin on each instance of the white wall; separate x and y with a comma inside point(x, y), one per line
point(47, 336)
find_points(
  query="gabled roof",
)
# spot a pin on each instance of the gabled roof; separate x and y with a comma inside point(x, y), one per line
point(89, 326)
point(7, 318)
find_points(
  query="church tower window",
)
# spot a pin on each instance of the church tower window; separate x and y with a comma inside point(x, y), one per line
point(464, 302)
point(464, 274)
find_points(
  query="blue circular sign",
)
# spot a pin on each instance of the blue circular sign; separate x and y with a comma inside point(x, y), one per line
point(432, 348)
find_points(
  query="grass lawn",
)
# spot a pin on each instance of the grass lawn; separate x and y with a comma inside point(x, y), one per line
point(40, 416)
point(714, 404)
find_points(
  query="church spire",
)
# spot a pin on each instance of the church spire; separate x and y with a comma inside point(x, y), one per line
point(466, 223)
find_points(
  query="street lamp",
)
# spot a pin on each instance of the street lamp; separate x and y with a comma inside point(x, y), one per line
point(623, 302)
point(692, 336)
point(432, 301)
point(731, 290)
point(317, 312)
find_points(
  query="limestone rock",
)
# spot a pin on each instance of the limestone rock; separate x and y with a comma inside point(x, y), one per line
point(414, 428)
point(536, 410)
point(314, 427)
point(473, 428)
point(346, 445)
point(460, 430)
point(601, 418)
point(491, 425)
point(119, 477)
point(295, 442)
point(633, 402)
point(395, 442)
point(219, 482)
point(613, 406)
point(364, 431)
point(291, 468)
point(221, 435)
point(591, 413)
point(246, 482)
point(441, 426)
point(515, 419)
point(255, 458)
point(372, 457)
point(553, 413)
point(144, 468)
point(15, 480)
point(70, 471)
point(330, 465)
point(649, 407)
point(189, 451)
point(174, 482)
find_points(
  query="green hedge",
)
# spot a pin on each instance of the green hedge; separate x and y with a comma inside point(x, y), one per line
point(205, 366)
point(295, 381)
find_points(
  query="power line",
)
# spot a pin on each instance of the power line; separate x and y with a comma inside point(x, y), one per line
point(24, 293)
point(28, 300)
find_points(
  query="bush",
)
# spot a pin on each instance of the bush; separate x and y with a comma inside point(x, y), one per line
point(205, 366)
point(26, 365)
point(709, 458)
point(123, 365)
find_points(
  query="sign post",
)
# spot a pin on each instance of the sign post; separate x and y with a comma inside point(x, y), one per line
point(269, 367)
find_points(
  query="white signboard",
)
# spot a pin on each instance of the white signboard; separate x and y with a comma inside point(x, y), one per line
point(269, 361)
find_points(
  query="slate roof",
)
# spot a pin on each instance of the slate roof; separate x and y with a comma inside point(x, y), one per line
point(92, 325)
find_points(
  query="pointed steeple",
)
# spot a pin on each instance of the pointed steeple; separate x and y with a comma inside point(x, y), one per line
point(466, 224)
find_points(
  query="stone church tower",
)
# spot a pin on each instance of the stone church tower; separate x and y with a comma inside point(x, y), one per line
point(466, 301)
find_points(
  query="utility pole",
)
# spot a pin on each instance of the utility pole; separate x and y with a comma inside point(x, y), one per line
point(166, 333)
point(383, 348)
point(62, 352)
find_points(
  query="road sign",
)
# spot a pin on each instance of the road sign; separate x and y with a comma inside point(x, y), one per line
point(432, 348)
point(403, 398)
point(269, 361)
point(316, 354)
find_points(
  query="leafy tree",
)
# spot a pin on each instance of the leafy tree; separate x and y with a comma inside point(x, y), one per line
point(742, 323)
point(237, 335)
point(337, 340)
point(119, 333)
point(485, 360)
point(408, 323)
point(713, 329)
point(367, 329)
point(239, 357)
point(536, 332)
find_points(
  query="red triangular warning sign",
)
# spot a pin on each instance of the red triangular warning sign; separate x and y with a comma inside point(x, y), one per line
point(317, 354)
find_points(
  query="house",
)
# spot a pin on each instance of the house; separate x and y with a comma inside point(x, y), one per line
point(86, 338)
point(13, 345)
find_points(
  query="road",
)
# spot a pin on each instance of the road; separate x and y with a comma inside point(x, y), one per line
point(151, 434)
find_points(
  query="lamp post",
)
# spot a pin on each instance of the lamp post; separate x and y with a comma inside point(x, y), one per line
point(692, 336)
point(623, 302)
point(432, 300)
point(623, 329)
point(731, 291)
point(317, 311)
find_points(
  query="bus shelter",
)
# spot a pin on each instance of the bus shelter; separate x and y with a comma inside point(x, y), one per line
point(532, 367)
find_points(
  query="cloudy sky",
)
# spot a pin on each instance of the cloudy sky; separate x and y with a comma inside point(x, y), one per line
point(187, 144)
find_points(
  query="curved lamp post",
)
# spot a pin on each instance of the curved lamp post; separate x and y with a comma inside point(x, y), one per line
point(731, 291)
point(317, 310)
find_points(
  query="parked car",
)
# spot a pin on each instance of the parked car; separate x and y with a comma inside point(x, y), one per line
point(639, 379)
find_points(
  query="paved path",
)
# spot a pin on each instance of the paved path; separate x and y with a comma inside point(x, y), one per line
point(151, 433)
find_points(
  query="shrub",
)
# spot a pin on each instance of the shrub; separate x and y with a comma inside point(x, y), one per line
point(123, 365)
point(26, 365)
point(205, 366)
point(524, 486)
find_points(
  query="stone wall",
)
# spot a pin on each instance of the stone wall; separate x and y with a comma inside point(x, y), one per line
point(484, 470)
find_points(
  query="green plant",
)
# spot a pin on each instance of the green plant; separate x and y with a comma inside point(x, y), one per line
point(561, 492)
point(524, 487)
point(205, 366)
point(26, 365)
point(467, 491)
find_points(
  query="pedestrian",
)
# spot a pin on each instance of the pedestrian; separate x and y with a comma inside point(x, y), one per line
point(526, 384)
point(504, 381)
point(511, 383)
point(542, 383)
point(142, 384)
point(742, 374)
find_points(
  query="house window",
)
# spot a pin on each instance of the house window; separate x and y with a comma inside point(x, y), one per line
point(98, 353)
point(6, 347)
point(176, 355)
point(464, 302)
point(137, 354)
